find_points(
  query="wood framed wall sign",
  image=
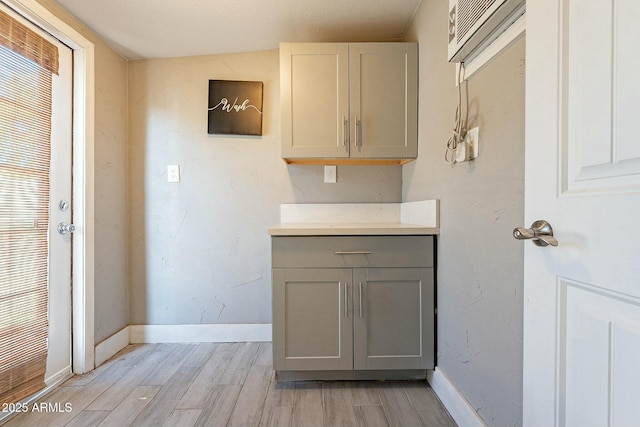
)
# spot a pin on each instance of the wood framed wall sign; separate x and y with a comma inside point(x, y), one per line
point(235, 107)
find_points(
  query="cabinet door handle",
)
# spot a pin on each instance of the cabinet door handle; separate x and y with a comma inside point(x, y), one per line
point(346, 312)
point(345, 131)
point(352, 253)
point(358, 136)
point(360, 299)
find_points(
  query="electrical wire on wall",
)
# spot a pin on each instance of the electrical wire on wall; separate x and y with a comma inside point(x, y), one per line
point(460, 127)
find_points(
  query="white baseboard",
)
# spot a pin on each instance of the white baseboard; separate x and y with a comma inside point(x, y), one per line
point(58, 378)
point(242, 332)
point(111, 346)
point(138, 334)
point(461, 411)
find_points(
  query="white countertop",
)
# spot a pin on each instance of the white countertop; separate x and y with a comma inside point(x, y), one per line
point(357, 219)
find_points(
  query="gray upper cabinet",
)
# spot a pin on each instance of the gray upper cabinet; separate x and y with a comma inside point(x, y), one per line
point(353, 103)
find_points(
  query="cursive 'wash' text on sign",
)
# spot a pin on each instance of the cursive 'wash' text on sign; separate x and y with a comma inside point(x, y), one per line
point(234, 107)
point(231, 107)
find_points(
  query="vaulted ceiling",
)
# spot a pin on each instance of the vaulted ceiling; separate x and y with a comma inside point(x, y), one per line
point(171, 28)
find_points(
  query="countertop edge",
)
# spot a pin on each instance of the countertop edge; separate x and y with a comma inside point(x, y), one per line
point(373, 229)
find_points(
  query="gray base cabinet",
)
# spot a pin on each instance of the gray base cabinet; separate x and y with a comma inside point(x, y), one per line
point(363, 303)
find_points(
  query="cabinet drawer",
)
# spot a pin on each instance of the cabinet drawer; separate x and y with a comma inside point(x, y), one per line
point(352, 251)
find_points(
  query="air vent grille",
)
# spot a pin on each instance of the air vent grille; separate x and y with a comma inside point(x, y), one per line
point(469, 12)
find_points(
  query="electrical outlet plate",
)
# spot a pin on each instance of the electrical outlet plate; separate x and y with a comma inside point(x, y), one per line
point(461, 152)
point(468, 148)
point(472, 141)
point(330, 174)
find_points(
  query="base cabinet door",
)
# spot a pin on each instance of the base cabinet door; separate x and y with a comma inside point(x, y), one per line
point(393, 318)
point(312, 319)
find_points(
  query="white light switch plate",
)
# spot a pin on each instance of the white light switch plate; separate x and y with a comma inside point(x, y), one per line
point(173, 173)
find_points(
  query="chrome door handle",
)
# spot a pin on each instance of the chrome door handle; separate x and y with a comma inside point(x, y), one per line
point(346, 299)
point(345, 131)
point(352, 253)
point(360, 299)
point(540, 232)
point(64, 228)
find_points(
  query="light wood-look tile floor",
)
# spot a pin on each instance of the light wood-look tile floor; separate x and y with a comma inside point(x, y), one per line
point(228, 384)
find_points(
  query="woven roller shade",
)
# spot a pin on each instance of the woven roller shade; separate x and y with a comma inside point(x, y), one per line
point(22, 40)
point(25, 152)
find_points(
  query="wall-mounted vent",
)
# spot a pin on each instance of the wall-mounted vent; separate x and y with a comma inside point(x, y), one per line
point(473, 24)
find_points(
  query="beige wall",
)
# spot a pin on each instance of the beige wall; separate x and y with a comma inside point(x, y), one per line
point(231, 191)
point(200, 252)
point(480, 265)
point(111, 205)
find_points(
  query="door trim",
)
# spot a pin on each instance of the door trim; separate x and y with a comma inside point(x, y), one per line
point(83, 351)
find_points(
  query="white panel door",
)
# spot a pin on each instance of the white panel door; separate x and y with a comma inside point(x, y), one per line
point(582, 298)
point(59, 355)
point(59, 308)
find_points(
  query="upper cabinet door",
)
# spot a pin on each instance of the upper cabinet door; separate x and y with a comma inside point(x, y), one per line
point(314, 82)
point(383, 100)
